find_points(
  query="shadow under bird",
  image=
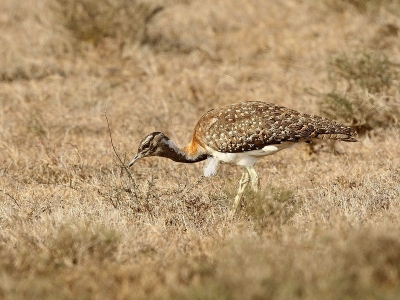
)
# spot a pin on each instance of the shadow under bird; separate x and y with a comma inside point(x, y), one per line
point(241, 134)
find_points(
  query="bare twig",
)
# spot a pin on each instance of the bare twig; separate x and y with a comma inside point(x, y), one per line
point(123, 166)
point(15, 200)
point(194, 185)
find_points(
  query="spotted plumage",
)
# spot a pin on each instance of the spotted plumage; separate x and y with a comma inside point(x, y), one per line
point(241, 134)
point(253, 125)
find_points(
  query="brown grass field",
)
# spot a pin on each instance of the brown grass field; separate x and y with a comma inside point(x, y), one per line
point(75, 225)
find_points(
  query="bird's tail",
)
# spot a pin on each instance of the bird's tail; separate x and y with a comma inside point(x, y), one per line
point(346, 134)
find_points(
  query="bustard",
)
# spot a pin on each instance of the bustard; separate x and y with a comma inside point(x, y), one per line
point(241, 134)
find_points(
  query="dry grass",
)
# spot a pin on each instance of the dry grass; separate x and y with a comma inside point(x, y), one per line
point(371, 97)
point(373, 72)
point(371, 7)
point(74, 225)
point(365, 112)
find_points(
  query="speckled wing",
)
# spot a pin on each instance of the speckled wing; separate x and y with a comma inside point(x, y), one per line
point(250, 126)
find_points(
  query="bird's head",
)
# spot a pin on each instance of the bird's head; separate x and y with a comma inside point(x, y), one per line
point(153, 144)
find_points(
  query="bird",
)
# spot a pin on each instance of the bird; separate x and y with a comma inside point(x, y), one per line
point(241, 134)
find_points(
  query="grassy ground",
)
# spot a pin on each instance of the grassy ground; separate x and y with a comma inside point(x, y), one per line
point(73, 225)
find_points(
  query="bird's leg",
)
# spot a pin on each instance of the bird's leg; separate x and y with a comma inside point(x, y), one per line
point(255, 181)
point(242, 186)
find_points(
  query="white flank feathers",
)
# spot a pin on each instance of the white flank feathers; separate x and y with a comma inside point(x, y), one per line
point(211, 168)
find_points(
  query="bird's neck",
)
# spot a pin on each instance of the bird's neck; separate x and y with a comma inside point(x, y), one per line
point(190, 154)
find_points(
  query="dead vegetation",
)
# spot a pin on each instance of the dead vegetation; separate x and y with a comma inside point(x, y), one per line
point(369, 99)
point(373, 72)
point(366, 7)
point(364, 111)
point(93, 21)
point(76, 225)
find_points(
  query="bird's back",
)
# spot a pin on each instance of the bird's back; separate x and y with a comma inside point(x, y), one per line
point(253, 125)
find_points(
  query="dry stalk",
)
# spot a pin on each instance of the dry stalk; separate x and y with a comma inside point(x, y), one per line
point(122, 164)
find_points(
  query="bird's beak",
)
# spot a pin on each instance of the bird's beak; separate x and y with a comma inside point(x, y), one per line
point(137, 156)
